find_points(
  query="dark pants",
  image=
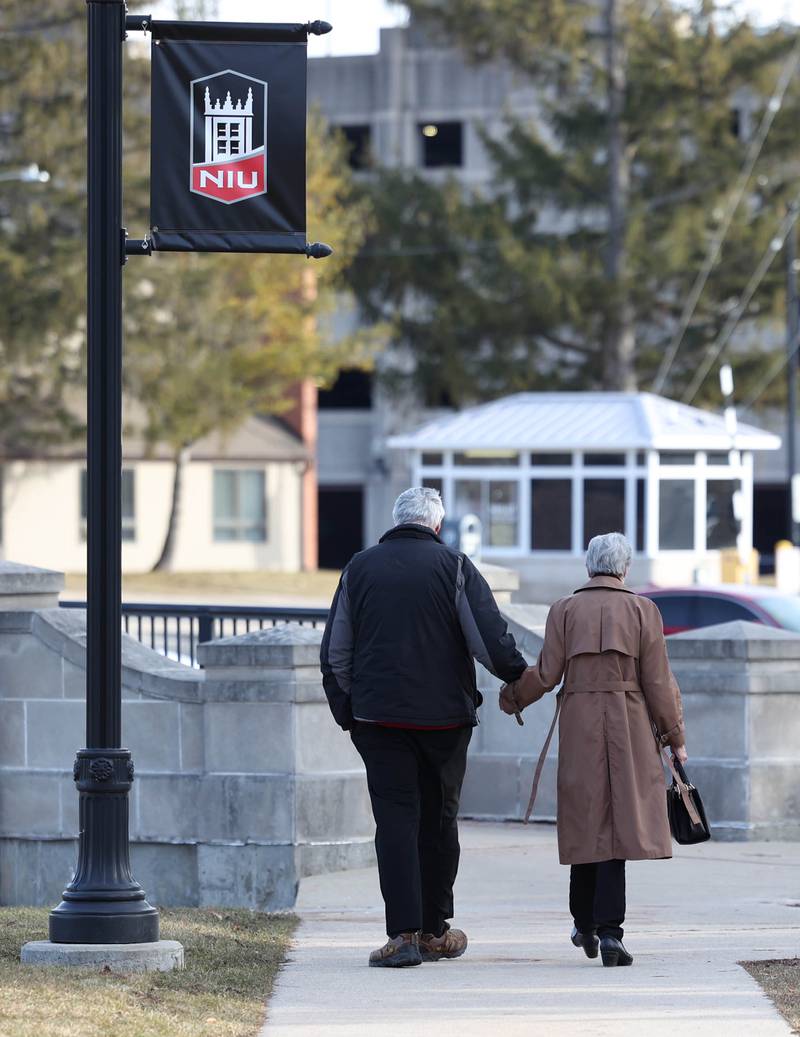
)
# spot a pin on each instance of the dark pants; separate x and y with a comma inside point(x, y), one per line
point(597, 897)
point(414, 780)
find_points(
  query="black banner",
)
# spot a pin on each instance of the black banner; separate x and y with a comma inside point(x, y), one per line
point(228, 139)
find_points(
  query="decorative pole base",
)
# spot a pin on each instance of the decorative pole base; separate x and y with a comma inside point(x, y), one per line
point(103, 903)
point(163, 956)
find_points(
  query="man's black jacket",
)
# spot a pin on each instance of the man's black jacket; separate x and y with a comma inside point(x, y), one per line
point(408, 617)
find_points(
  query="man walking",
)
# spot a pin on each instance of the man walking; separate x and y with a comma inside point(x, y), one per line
point(408, 617)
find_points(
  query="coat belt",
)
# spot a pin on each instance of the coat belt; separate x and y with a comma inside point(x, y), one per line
point(610, 686)
point(578, 689)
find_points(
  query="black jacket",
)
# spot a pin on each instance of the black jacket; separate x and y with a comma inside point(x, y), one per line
point(408, 617)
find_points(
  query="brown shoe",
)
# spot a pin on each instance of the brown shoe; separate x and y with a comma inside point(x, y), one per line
point(397, 952)
point(451, 944)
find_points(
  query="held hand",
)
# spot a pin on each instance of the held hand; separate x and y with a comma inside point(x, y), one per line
point(680, 754)
point(508, 702)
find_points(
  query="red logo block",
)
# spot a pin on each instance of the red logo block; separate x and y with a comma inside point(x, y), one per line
point(232, 180)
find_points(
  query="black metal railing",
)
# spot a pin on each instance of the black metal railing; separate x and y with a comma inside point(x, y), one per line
point(176, 630)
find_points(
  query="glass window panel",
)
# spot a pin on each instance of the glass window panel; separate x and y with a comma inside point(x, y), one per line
point(224, 495)
point(676, 515)
point(717, 458)
point(467, 498)
point(676, 457)
point(486, 458)
point(603, 507)
point(641, 458)
point(251, 496)
point(721, 525)
point(503, 514)
point(239, 505)
point(433, 484)
point(551, 514)
point(611, 460)
point(432, 459)
point(540, 459)
point(641, 512)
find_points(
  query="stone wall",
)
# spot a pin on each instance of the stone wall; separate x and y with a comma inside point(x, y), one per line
point(740, 684)
point(243, 782)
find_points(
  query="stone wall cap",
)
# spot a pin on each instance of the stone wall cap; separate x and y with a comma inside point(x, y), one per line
point(498, 577)
point(738, 639)
point(18, 578)
point(289, 644)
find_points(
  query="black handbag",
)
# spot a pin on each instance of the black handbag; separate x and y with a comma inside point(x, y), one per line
point(687, 818)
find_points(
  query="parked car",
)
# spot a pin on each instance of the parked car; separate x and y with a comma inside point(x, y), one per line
point(687, 608)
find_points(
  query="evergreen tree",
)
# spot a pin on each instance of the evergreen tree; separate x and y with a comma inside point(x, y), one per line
point(572, 268)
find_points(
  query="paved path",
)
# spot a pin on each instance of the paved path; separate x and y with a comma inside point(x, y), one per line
point(689, 921)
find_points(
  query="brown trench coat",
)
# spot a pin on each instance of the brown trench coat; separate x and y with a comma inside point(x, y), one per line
point(608, 643)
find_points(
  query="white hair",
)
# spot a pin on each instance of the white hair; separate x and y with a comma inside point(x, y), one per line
point(419, 504)
point(608, 555)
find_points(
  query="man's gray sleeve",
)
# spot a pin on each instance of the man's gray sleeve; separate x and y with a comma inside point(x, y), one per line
point(484, 629)
point(336, 656)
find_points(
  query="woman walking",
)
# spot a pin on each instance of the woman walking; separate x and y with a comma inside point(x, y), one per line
point(619, 703)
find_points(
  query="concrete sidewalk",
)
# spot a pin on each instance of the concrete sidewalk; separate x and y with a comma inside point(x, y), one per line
point(689, 921)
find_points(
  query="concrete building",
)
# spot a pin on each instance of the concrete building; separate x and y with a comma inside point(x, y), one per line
point(545, 472)
point(241, 503)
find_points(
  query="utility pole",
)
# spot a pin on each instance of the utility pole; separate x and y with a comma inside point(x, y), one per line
point(792, 357)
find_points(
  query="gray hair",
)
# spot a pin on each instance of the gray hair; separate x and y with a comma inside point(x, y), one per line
point(421, 505)
point(608, 555)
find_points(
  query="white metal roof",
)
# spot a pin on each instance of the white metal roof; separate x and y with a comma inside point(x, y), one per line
point(583, 421)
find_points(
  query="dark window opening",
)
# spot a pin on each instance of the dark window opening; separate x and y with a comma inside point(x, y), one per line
point(341, 525)
point(603, 507)
point(551, 514)
point(442, 144)
point(359, 146)
point(352, 390)
point(604, 460)
point(641, 511)
point(545, 460)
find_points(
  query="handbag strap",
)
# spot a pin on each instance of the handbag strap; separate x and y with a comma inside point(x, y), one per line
point(683, 788)
point(537, 775)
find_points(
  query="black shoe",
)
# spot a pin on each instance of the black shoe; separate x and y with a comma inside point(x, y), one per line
point(588, 941)
point(613, 952)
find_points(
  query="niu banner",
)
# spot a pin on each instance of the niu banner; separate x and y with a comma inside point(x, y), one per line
point(228, 138)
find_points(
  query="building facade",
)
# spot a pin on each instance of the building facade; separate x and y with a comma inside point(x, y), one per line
point(242, 498)
point(545, 472)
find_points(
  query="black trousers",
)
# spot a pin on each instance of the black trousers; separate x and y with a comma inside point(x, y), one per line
point(414, 780)
point(597, 897)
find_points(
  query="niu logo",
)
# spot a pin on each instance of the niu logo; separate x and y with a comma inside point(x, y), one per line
point(228, 126)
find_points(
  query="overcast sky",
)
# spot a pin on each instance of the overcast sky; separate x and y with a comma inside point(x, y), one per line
point(356, 22)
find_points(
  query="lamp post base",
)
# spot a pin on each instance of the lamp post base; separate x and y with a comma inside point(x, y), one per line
point(161, 956)
point(112, 922)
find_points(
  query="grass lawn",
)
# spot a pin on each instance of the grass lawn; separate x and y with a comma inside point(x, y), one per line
point(320, 583)
point(781, 981)
point(232, 958)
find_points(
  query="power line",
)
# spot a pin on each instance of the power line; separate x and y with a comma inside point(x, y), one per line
point(732, 322)
point(753, 153)
point(775, 369)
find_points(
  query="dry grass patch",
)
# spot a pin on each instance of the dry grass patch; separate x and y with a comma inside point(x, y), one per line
point(232, 958)
point(320, 584)
point(781, 981)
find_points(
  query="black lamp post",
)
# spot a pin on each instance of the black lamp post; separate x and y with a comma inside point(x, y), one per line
point(103, 903)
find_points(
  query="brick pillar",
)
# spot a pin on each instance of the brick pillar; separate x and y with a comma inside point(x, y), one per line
point(302, 419)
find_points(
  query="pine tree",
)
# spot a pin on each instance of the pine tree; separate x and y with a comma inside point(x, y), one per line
point(571, 269)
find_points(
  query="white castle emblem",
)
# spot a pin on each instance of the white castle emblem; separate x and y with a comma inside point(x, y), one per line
point(229, 127)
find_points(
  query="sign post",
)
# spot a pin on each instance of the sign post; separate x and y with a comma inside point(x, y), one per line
point(227, 175)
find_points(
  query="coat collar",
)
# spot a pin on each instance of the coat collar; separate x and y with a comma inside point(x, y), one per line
point(611, 583)
point(410, 531)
